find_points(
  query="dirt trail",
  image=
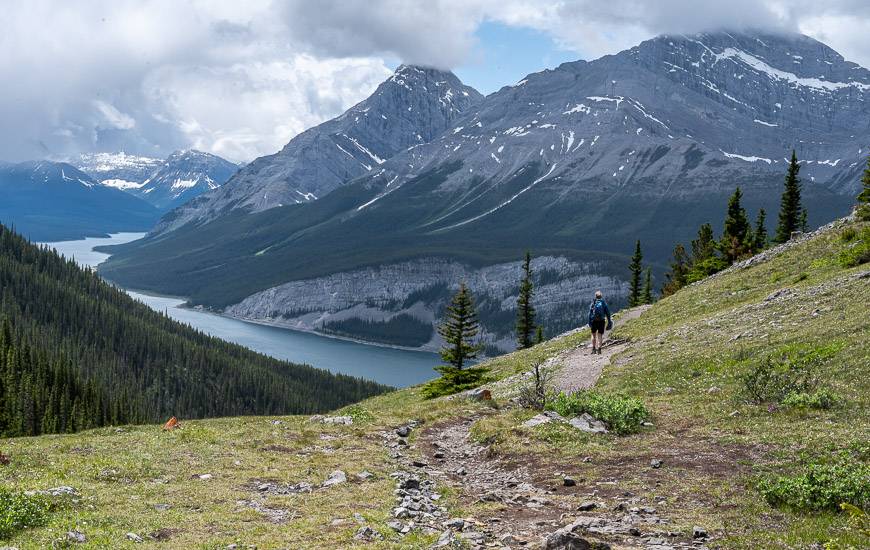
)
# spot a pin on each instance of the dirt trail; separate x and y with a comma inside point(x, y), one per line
point(579, 369)
point(529, 495)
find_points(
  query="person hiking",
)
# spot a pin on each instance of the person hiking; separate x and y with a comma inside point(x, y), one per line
point(599, 320)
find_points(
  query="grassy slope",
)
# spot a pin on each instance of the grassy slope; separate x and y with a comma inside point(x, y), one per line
point(680, 349)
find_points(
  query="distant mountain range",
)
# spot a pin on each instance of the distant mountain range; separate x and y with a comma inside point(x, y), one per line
point(166, 184)
point(573, 164)
point(51, 201)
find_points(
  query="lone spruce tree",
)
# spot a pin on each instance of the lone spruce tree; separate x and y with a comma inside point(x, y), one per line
point(647, 296)
point(759, 237)
point(704, 246)
point(525, 310)
point(864, 197)
point(636, 268)
point(736, 234)
point(676, 277)
point(459, 330)
point(790, 205)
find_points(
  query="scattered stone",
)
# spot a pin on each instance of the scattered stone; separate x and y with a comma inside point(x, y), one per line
point(587, 506)
point(133, 537)
point(4, 460)
point(457, 524)
point(699, 532)
point(446, 539)
point(508, 539)
point(543, 418)
point(403, 431)
point(588, 423)
point(714, 390)
point(162, 507)
point(365, 475)
point(410, 483)
point(655, 463)
point(439, 455)
point(564, 539)
point(76, 536)
point(734, 413)
point(63, 490)
point(419, 464)
point(340, 420)
point(568, 481)
point(479, 394)
point(396, 525)
point(335, 478)
point(204, 477)
point(367, 534)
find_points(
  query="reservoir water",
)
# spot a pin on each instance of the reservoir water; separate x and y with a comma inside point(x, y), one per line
point(396, 367)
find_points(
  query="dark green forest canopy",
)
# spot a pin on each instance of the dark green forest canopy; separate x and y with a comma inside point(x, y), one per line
point(78, 353)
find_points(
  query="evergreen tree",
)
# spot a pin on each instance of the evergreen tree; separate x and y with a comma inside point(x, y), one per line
point(736, 234)
point(636, 268)
point(676, 277)
point(647, 297)
point(804, 224)
point(864, 197)
point(525, 310)
point(704, 246)
point(539, 334)
point(459, 329)
point(759, 237)
point(790, 204)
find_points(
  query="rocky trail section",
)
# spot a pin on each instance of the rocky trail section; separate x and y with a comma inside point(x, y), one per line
point(527, 500)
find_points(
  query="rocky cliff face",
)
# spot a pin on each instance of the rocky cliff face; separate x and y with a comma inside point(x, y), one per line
point(410, 108)
point(421, 288)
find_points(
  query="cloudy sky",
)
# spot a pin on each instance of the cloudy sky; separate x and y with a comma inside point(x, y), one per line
point(239, 79)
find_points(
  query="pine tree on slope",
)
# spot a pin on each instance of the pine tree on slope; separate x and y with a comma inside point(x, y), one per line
point(864, 197)
point(459, 329)
point(676, 277)
point(736, 238)
point(790, 204)
point(647, 296)
point(636, 268)
point(525, 310)
point(760, 235)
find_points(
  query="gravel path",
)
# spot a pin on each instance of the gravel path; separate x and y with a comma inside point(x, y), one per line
point(578, 369)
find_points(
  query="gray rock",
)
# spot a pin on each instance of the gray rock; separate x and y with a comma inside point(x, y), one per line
point(587, 506)
point(76, 536)
point(365, 475)
point(655, 463)
point(587, 423)
point(699, 532)
point(568, 481)
point(162, 507)
point(335, 478)
point(543, 418)
point(566, 540)
point(403, 431)
point(446, 539)
point(133, 537)
point(396, 525)
point(367, 534)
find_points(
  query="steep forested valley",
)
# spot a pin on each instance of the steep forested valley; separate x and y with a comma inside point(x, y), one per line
point(78, 353)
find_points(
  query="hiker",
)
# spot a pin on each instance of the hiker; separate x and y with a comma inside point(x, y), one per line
point(599, 319)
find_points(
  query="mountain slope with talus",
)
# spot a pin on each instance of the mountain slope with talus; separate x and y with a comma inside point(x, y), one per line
point(410, 108)
point(398, 471)
point(574, 163)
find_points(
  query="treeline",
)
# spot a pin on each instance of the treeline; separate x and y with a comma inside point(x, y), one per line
point(401, 330)
point(78, 353)
point(740, 238)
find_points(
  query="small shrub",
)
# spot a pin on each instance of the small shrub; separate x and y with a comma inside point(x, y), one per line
point(858, 252)
point(454, 380)
point(622, 414)
point(801, 277)
point(848, 235)
point(822, 398)
point(19, 511)
point(359, 414)
point(534, 394)
point(786, 371)
point(821, 487)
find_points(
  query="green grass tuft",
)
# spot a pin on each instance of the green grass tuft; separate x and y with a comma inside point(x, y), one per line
point(19, 511)
point(821, 487)
point(622, 414)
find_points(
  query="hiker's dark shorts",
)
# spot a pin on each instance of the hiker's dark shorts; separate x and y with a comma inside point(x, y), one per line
point(598, 326)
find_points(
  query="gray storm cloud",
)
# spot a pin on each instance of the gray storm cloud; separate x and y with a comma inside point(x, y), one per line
point(239, 79)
